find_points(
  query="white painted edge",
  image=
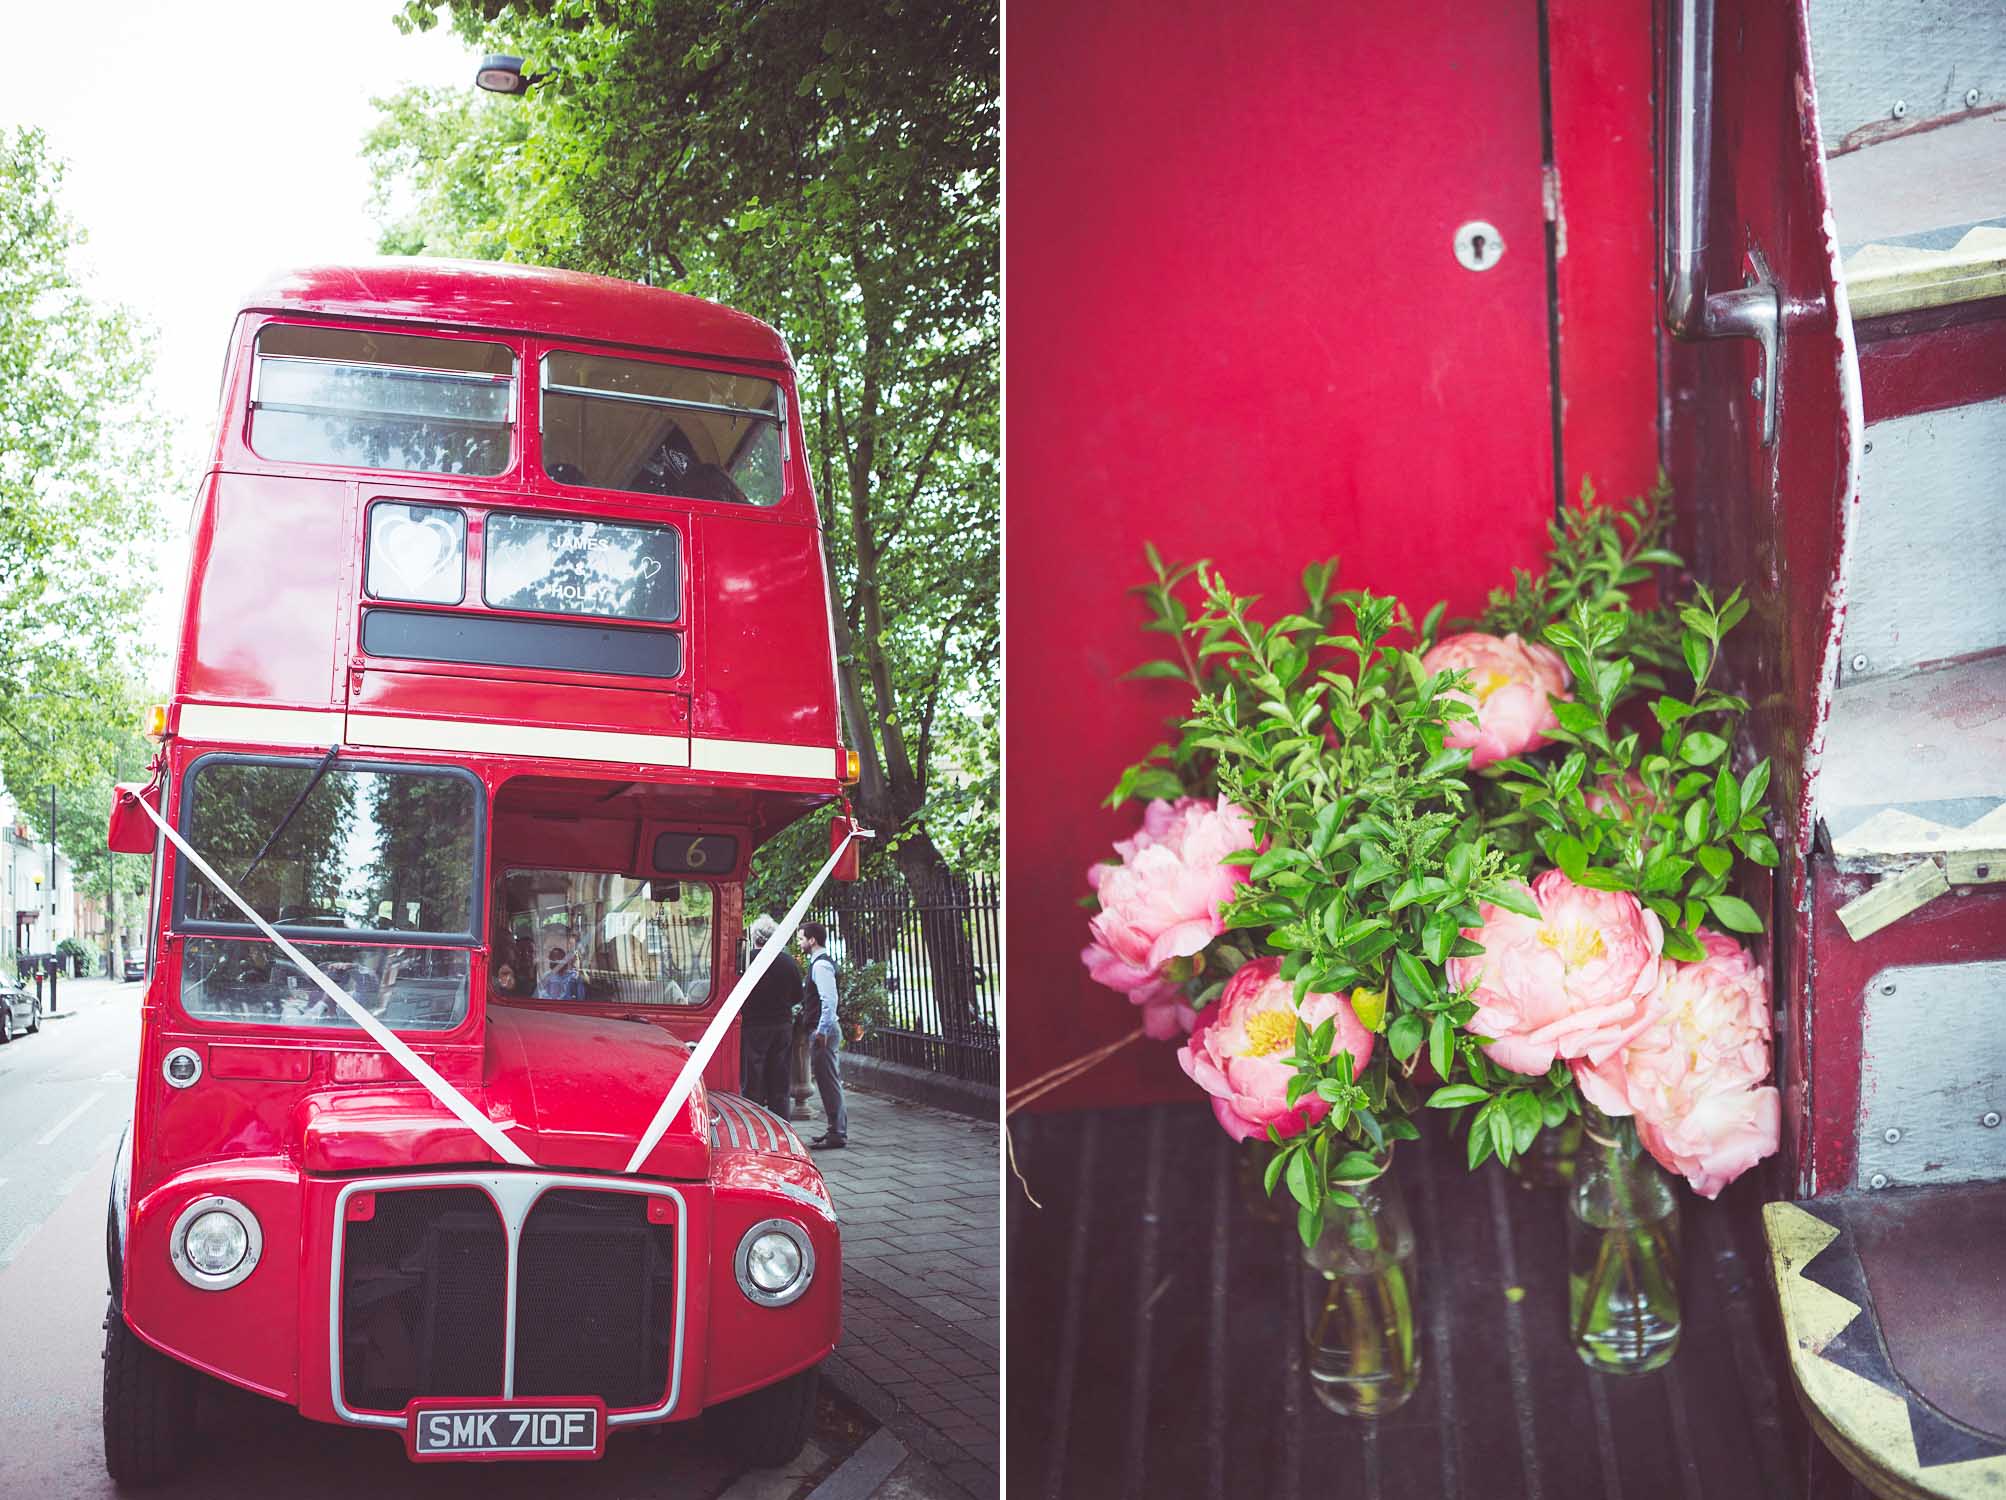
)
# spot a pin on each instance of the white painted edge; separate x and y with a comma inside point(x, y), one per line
point(273, 726)
point(756, 758)
point(295, 726)
point(395, 732)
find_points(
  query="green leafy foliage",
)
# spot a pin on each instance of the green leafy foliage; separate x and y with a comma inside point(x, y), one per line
point(84, 458)
point(1372, 857)
point(1376, 844)
point(1597, 555)
point(1657, 809)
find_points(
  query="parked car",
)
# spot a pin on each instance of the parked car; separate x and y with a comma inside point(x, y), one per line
point(20, 1012)
point(135, 968)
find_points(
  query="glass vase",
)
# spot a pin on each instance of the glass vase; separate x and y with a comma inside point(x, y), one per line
point(1549, 1163)
point(1364, 1360)
point(1250, 1170)
point(1623, 1252)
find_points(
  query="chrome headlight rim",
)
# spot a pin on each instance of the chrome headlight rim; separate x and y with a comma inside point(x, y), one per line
point(254, 1247)
point(742, 1263)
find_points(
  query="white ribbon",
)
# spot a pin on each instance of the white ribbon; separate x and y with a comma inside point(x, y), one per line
point(713, 1037)
point(377, 1032)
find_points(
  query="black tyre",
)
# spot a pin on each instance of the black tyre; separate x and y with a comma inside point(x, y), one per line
point(35, 1022)
point(6, 1024)
point(149, 1409)
point(769, 1427)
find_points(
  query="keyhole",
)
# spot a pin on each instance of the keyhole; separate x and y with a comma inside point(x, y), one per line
point(1478, 246)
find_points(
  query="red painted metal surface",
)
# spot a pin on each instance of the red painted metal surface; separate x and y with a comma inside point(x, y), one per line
point(272, 621)
point(1237, 328)
point(1967, 926)
point(1929, 362)
point(1600, 70)
point(1773, 520)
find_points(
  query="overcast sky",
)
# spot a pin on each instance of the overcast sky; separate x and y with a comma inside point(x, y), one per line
point(209, 143)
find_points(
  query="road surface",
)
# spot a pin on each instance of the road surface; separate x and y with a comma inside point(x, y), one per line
point(65, 1096)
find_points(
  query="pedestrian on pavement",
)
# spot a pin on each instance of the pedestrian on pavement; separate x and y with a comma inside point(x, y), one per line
point(766, 1045)
point(827, 1037)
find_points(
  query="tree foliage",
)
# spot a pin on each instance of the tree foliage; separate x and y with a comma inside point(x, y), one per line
point(84, 458)
point(832, 167)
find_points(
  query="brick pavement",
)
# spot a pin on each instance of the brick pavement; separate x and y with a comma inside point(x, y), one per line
point(916, 1193)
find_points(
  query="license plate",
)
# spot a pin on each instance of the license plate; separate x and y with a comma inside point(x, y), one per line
point(436, 1430)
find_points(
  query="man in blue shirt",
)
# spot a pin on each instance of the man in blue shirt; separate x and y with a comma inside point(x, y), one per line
point(822, 1046)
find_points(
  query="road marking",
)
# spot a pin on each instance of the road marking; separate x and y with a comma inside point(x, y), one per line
point(14, 1246)
point(69, 1119)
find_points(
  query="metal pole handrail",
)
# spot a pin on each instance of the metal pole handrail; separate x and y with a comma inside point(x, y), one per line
point(1753, 311)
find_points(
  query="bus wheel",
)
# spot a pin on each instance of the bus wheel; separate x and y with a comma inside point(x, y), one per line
point(149, 1408)
point(769, 1427)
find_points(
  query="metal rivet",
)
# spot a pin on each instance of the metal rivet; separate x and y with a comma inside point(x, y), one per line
point(1971, 98)
point(1888, 988)
point(1867, 448)
point(1878, 1180)
point(1901, 108)
point(1860, 663)
point(1891, 1135)
point(1990, 1119)
point(1983, 872)
point(1755, 388)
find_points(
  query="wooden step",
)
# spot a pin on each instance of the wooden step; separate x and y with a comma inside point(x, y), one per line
point(1892, 1306)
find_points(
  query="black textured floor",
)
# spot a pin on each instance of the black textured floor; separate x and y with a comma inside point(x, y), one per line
point(1155, 1346)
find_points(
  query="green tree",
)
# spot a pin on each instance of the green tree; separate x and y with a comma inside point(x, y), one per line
point(83, 459)
point(833, 168)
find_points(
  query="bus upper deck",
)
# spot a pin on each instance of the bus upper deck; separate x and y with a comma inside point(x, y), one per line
point(490, 509)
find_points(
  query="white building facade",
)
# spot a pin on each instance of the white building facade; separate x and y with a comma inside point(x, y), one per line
point(39, 916)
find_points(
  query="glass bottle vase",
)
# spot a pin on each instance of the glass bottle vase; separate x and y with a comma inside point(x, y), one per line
point(1623, 1252)
point(1250, 1170)
point(1549, 1162)
point(1360, 1293)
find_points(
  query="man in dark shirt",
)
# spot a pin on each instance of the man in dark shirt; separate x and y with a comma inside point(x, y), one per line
point(766, 1042)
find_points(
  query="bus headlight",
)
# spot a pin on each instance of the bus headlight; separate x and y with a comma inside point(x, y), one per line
point(215, 1243)
point(775, 1262)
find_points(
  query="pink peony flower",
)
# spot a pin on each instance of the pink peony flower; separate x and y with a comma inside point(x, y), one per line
point(1724, 1133)
point(1239, 1053)
point(1691, 1076)
point(1162, 902)
point(1626, 797)
point(1512, 680)
point(1580, 981)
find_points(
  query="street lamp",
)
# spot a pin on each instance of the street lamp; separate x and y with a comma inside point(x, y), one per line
point(501, 74)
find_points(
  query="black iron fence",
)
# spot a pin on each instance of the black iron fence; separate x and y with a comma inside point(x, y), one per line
point(921, 970)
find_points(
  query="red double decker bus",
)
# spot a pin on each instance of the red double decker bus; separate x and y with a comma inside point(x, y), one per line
point(506, 642)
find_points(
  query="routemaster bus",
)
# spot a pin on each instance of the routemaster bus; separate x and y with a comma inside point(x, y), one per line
point(506, 642)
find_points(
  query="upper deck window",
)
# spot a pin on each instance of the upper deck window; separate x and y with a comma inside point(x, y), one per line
point(629, 424)
point(370, 400)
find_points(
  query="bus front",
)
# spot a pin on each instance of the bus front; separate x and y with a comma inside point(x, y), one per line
point(506, 643)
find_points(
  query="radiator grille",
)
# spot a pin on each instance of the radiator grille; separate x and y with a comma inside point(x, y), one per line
point(595, 1299)
point(422, 1299)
